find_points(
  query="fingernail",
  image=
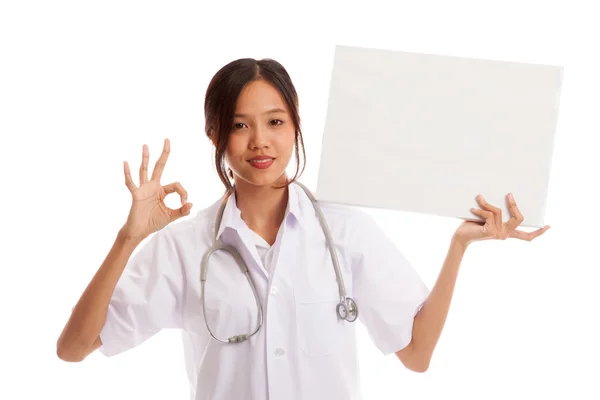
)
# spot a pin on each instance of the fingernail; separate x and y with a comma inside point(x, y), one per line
point(510, 195)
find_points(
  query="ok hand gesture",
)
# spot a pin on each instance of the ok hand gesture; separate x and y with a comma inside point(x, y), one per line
point(148, 212)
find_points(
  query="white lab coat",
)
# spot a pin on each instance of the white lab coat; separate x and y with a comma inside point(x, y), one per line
point(302, 351)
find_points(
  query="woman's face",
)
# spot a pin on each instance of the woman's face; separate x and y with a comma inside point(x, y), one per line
point(262, 127)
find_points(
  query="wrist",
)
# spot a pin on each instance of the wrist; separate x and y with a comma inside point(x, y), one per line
point(459, 243)
point(126, 240)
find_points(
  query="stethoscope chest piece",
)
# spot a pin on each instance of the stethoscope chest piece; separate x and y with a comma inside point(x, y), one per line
point(347, 310)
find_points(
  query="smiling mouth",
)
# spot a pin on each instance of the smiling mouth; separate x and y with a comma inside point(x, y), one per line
point(263, 161)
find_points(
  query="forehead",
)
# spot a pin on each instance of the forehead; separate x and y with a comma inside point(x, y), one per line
point(257, 97)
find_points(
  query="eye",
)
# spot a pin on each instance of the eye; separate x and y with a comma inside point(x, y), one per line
point(238, 126)
point(276, 122)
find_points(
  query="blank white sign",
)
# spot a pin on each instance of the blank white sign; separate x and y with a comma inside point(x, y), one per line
point(427, 133)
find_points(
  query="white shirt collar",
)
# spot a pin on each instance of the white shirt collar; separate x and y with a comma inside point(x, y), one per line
point(232, 217)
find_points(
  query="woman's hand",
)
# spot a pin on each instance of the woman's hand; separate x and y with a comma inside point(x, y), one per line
point(493, 228)
point(148, 212)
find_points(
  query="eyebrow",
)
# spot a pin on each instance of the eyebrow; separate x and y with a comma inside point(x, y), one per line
point(272, 111)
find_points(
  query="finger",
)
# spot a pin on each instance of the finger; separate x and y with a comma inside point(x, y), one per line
point(528, 236)
point(516, 218)
point(495, 210)
point(482, 213)
point(128, 181)
point(162, 160)
point(144, 166)
point(180, 212)
point(488, 216)
point(176, 187)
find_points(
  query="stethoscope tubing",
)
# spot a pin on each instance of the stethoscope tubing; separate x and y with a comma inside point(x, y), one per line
point(346, 309)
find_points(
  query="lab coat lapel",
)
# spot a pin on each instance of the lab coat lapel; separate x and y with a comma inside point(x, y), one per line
point(249, 245)
point(232, 219)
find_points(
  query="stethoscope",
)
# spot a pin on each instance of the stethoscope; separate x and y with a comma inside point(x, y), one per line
point(346, 308)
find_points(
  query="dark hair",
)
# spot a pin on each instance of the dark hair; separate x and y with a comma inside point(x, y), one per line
point(221, 99)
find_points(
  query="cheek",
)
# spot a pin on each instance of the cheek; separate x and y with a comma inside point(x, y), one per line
point(235, 147)
point(287, 142)
point(231, 159)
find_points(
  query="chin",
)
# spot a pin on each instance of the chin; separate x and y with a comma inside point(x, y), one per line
point(263, 178)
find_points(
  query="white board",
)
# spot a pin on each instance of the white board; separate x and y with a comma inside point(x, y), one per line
point(427, 133)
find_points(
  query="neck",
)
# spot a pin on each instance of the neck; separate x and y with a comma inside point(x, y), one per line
point(262, 207)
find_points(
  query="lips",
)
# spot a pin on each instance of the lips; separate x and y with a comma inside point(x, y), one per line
point(265, 157)
point(261, 160)
point(262, 163)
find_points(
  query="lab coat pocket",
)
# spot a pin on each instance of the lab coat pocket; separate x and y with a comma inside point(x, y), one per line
point(320, 331)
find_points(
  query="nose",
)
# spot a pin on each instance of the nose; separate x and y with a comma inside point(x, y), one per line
point(259, 137)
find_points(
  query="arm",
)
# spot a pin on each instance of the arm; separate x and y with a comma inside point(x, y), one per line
point(429, 321)
point(80, 336)
point(378, 266)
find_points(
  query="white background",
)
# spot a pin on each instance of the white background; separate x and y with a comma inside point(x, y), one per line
point(84, 84)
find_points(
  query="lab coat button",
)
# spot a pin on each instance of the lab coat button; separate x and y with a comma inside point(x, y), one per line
point(279, 352)
point(274, 290)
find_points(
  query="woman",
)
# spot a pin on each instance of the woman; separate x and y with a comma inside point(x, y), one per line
point(303, 350)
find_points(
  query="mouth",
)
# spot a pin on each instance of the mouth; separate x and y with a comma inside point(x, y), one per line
point(261, 164)
point(261, 160)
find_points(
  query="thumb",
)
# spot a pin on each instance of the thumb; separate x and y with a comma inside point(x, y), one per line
point(181, 211)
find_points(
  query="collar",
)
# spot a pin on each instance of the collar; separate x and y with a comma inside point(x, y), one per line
point(232, 215)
